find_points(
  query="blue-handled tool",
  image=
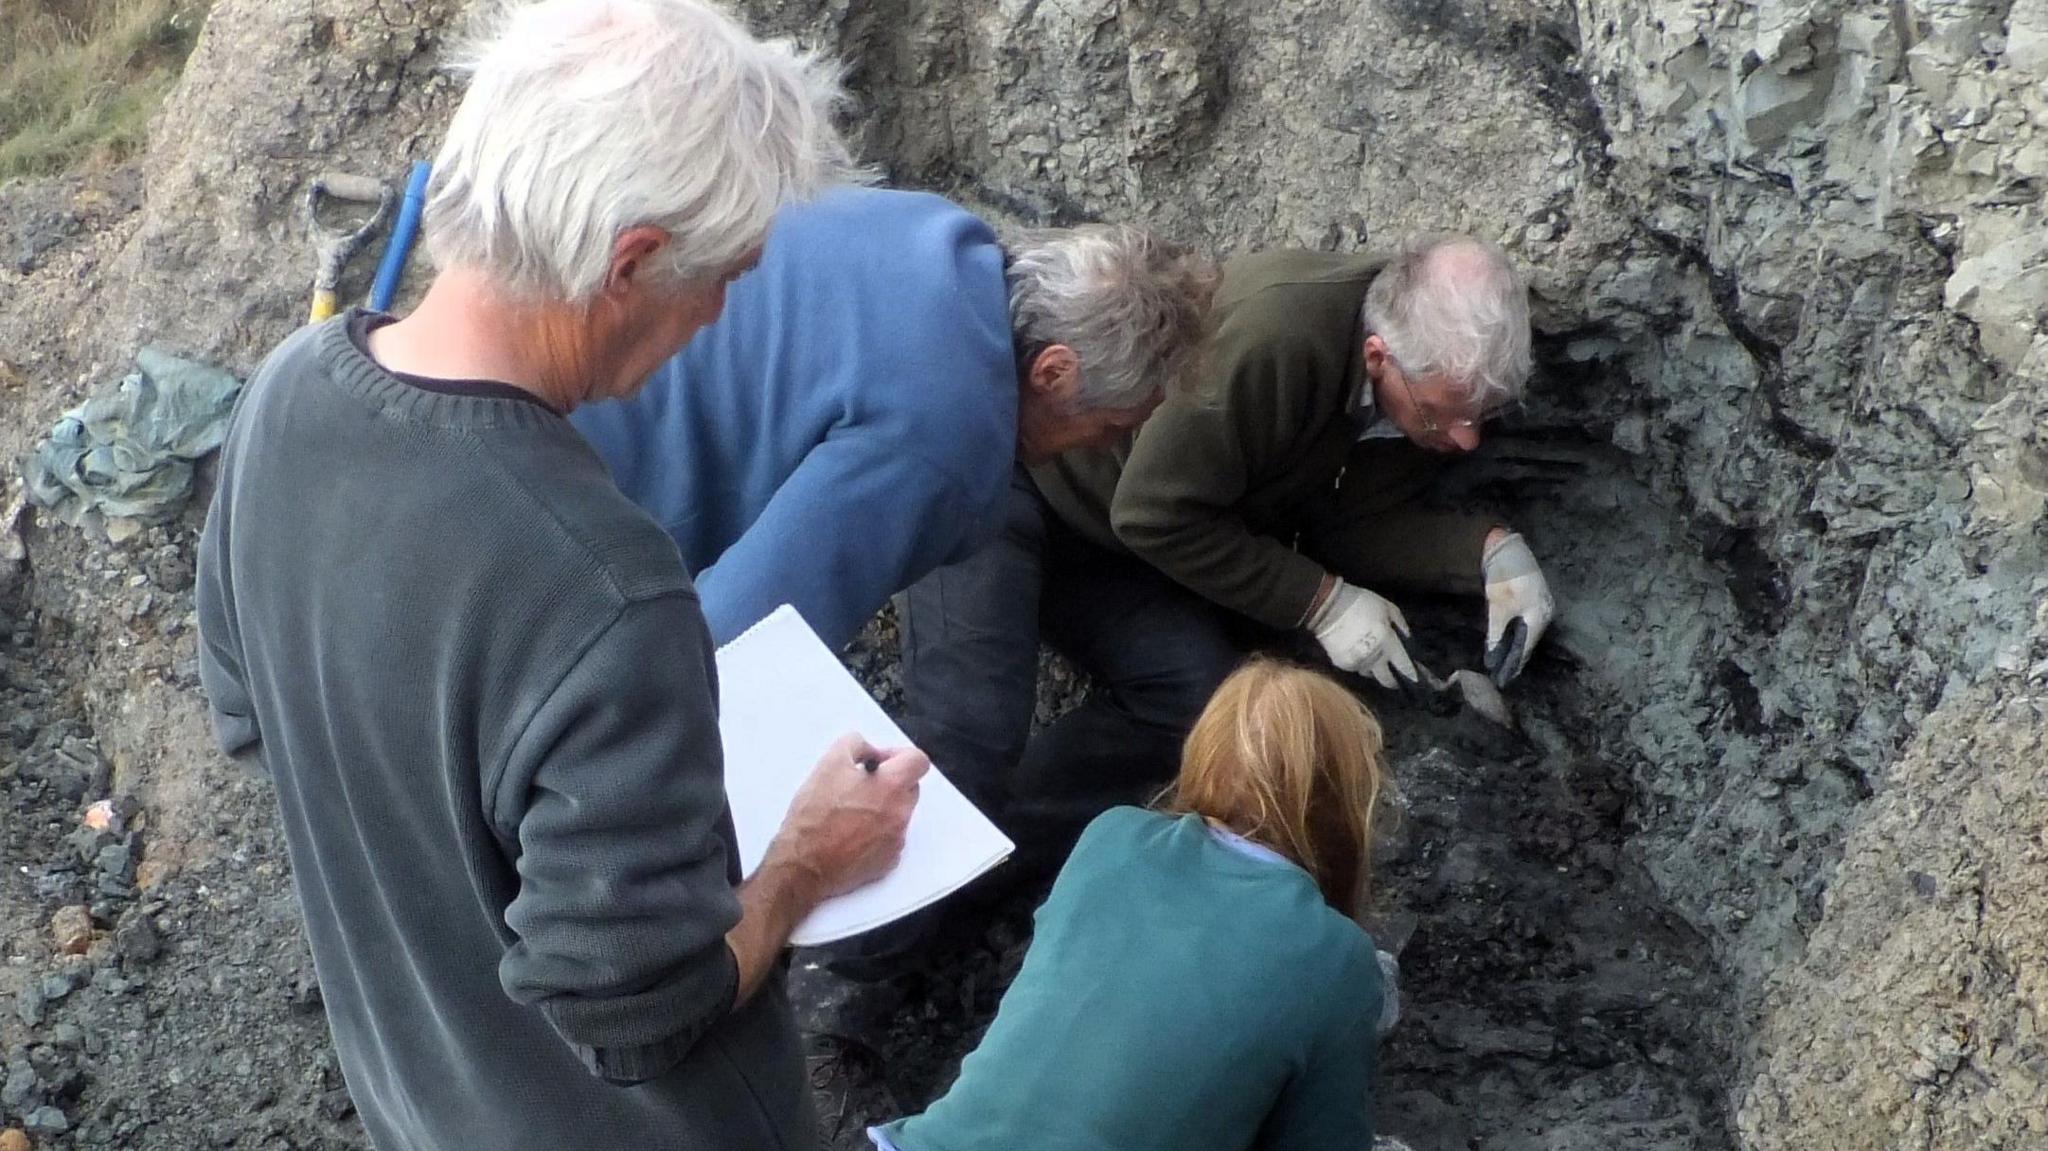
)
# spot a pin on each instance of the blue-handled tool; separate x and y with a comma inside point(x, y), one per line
point(402, 233)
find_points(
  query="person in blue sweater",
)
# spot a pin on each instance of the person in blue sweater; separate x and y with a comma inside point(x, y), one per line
point(854, 418)
point(1198, 976)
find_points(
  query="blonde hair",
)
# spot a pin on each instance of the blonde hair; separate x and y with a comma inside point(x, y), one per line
point(1290, 759)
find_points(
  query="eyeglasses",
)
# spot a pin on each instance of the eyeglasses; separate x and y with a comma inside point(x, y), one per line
point(1429, 422)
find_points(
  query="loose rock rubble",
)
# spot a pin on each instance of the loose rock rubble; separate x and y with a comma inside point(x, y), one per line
point(65, 982)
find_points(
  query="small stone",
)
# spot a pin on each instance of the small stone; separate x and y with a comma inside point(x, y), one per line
point(85, 754)
point(14, 1139)
point(28, 1006)
point(136, 940)
point(115, 862)
point(1482, 697)
point(169, 570)
point(56, 987)
point(22, 1088)
point(336, 1104)
point(47, 1121)
point(306, 998)
point(89, 841)
point(71, 927)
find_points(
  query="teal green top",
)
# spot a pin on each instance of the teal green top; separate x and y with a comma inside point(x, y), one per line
point(1179, 993)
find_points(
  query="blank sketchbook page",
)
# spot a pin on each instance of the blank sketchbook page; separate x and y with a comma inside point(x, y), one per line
point(783, 698)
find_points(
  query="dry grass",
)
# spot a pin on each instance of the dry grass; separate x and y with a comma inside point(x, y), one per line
point(80, 78)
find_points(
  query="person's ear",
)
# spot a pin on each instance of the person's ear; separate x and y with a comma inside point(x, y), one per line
point(633, 256)
point(1055, 373)
point(1375, 355)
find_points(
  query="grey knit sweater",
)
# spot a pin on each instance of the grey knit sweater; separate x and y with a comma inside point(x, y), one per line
point(480, 679)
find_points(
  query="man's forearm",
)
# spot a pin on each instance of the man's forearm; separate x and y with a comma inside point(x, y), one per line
point(844, 828)
point(772, 902)
point(1226, 563)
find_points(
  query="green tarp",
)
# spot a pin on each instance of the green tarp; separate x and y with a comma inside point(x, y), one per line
point(127, 453)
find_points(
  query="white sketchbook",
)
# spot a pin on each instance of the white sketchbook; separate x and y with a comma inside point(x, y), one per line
point(783, 698)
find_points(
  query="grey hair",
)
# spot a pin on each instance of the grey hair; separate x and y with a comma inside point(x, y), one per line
point(1133, 307)
point(585, 118)
point(1454, 306)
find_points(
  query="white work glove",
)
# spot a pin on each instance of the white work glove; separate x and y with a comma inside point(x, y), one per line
point(1362, 634)
point(1518, 606)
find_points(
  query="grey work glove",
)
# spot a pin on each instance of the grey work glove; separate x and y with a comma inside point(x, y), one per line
point(1518, 606)
point(1362, 634)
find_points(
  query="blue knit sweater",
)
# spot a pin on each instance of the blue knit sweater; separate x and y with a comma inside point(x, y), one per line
point(847, 425)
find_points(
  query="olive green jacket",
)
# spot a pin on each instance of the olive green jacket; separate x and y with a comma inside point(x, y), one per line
point(1217, 485)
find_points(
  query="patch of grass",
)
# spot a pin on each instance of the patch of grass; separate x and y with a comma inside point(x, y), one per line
point(80, 78)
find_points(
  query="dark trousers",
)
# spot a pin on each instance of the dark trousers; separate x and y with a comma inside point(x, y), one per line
point(1154, 651)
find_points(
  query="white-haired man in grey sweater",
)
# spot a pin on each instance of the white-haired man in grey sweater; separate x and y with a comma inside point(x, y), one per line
point(479, 674)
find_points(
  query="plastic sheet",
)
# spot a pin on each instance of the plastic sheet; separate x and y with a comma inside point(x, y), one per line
point(127, 454)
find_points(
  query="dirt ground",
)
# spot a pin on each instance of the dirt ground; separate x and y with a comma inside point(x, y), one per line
point(1550, 1001)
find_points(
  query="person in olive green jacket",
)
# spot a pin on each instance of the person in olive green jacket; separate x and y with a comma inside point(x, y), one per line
point(1288, 489)
point(1292, 483)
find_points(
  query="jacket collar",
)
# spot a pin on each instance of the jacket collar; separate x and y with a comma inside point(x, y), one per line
point(1359, 403)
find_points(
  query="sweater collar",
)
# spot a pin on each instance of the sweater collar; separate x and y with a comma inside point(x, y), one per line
point(370, 381)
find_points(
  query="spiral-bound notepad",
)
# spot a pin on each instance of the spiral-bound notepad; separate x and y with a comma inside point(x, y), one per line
point(783, 698)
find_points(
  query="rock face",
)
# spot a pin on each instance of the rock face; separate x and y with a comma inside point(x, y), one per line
point(1786, 463)
point(1919, 1014)
point(1759, 238)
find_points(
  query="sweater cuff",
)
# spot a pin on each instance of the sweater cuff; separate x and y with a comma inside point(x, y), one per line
point(1295, 587)
point(625, 1061)
point(1324, 590)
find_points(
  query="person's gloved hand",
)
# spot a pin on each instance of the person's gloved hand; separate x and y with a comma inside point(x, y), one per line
point(1518, 605)
point(1362, 634)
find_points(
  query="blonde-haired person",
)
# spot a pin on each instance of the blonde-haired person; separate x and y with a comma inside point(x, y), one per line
point(1198, 976)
